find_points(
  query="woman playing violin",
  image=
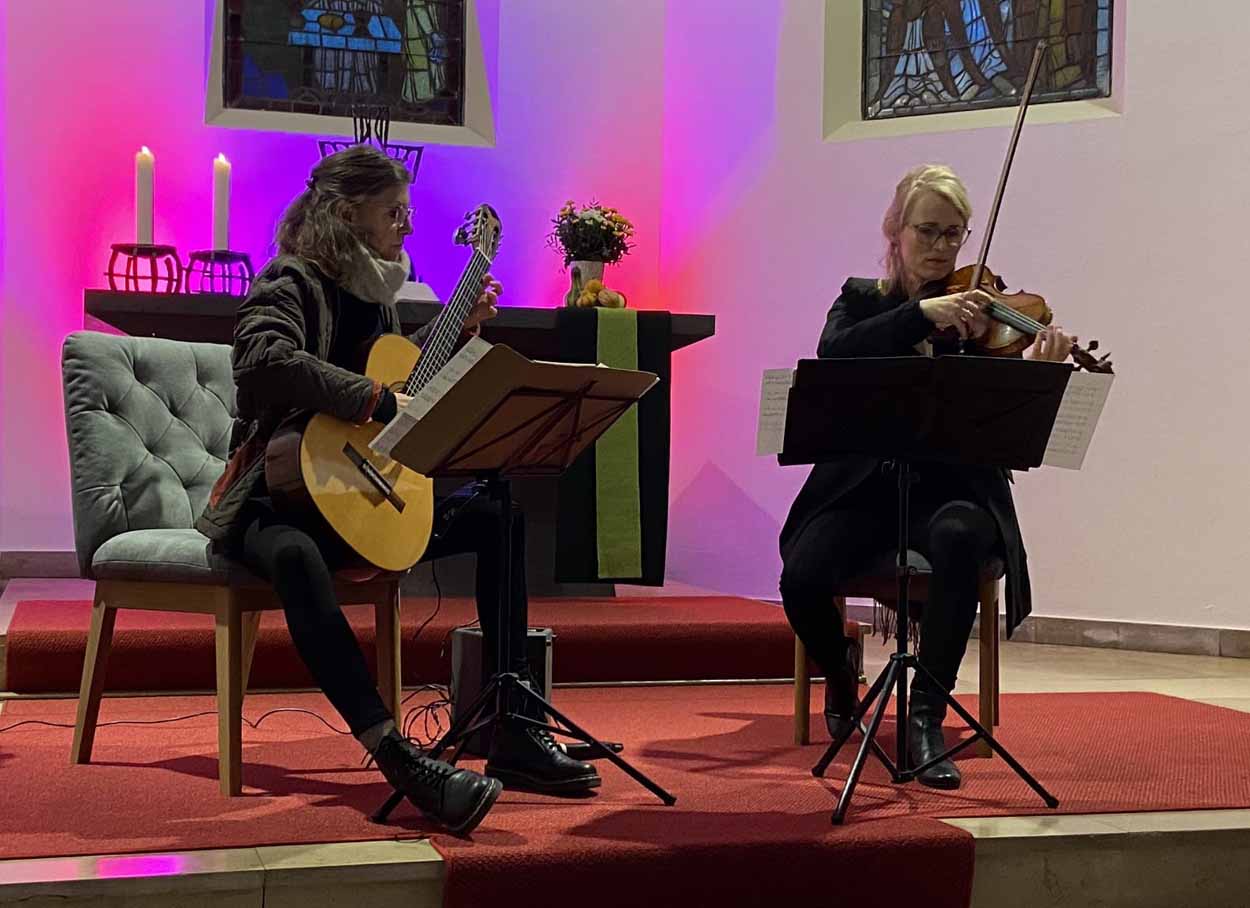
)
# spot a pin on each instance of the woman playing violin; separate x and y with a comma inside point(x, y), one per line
point(962, 518)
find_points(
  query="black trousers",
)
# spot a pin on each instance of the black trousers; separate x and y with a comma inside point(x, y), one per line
point(300, 562)
point(956, 535)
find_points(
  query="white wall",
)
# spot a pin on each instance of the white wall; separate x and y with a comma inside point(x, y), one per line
point(1135, 229)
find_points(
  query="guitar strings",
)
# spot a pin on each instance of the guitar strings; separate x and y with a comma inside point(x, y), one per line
point(442, 342)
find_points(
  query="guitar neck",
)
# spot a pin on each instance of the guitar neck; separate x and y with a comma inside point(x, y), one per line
point(449, 324)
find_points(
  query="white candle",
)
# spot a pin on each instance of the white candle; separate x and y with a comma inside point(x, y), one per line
point(221, 203)
point(145, 166)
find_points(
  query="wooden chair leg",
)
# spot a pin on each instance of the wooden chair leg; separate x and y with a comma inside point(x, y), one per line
point(99, 644)
point(997, 674)
point(251, 629)
point(390, 679)
point(229, 634)
point(802, 694)
point(988, 662)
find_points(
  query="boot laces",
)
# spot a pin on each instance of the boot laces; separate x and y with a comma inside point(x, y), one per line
point(432, 772)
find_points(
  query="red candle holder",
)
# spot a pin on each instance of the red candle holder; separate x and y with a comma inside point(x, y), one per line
point(144, 268)
point(218, 271)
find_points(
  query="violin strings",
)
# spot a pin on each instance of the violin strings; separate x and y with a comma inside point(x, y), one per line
point(1017, 320)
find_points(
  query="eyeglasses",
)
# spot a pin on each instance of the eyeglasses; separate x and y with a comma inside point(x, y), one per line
point(929, 234)
point(401, 214)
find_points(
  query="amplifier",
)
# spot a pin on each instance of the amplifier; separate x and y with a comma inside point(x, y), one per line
point(467, 674)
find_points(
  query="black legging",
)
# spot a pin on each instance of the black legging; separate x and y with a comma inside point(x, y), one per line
point(300, 566)
point(954, 534)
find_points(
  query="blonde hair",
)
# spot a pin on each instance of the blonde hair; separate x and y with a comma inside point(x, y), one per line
point(935, 178)
point(315, 225)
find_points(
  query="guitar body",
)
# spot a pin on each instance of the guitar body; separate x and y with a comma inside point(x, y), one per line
point(323, 470)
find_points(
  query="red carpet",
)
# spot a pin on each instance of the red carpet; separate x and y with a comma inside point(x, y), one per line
point(748, 811)
point(603, 639)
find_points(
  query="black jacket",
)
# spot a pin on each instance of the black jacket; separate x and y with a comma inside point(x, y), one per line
point(865, 322)
point(283, 334)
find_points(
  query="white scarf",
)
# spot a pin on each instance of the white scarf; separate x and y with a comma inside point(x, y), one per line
point(375, 280)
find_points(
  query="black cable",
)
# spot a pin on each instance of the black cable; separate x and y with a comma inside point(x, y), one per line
point(443, 701)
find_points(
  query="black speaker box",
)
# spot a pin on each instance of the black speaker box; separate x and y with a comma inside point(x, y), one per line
point(468, 678)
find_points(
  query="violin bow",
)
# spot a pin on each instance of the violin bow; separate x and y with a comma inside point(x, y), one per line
point(1027, 95)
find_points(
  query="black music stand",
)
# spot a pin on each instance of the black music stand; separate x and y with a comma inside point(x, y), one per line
point(955, 409)
point(508, 417)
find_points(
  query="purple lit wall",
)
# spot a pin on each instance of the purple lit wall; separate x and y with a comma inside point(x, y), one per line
point(576, 115)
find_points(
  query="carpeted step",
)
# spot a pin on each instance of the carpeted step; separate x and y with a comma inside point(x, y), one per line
point(605, 639)
point(750, 827)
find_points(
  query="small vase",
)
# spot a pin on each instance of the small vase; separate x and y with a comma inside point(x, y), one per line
point(579, 273)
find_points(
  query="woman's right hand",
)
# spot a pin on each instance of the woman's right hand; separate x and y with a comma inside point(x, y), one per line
point(401, 401)
point(962, 311)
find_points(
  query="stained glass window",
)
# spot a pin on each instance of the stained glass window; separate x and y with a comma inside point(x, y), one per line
point(330, 56)
point(937, 56)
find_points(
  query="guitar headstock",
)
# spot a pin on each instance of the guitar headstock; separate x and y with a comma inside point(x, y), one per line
point(482, 230)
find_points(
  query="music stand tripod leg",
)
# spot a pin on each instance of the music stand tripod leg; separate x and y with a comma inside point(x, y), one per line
point(981, 732)
point(506, 685)
point(461, 730)
point(861, 757)
point(896, 675)
point(879, 687)
point(572, 730)
point(511, 683)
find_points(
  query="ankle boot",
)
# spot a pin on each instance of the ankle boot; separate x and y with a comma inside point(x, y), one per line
point(925, 740)
point(457, 798)
point(842, 692)
point(525, 757)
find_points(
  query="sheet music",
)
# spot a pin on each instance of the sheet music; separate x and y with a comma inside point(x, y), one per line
point(428, 396)
point(774, 400)
point(1078, 414)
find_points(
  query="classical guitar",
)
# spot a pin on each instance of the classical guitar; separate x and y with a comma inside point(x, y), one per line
point(380, 508)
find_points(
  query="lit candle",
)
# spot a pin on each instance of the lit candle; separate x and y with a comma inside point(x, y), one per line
point(145, 166)
point(221, 203)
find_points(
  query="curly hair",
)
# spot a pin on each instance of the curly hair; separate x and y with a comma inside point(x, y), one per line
point(315, 225)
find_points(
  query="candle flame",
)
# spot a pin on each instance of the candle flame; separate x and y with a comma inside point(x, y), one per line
point(145, 150)
point(222, 158)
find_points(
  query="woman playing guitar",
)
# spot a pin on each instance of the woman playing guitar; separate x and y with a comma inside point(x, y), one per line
point(299, 344)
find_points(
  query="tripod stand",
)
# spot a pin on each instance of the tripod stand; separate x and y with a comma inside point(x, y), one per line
point(963, 410)
point(505, 697)
point(894, 677)
point(509, 417)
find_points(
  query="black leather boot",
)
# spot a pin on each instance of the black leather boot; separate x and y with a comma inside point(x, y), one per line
point(527, 758)
point(925, 740)
point(457, 798)
point(842, 692)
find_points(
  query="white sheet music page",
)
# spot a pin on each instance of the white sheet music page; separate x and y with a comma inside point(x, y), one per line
point(428, 396)
point(1078, 414)
point(774, 400)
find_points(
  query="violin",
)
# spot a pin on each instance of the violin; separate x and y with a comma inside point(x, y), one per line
point(1016, 318)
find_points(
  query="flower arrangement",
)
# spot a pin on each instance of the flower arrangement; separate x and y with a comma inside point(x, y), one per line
point(592, 234)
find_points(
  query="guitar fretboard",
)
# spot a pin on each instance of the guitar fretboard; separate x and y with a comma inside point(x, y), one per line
point(449, 323)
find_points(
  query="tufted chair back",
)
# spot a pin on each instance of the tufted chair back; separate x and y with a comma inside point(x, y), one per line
point(149, 424)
